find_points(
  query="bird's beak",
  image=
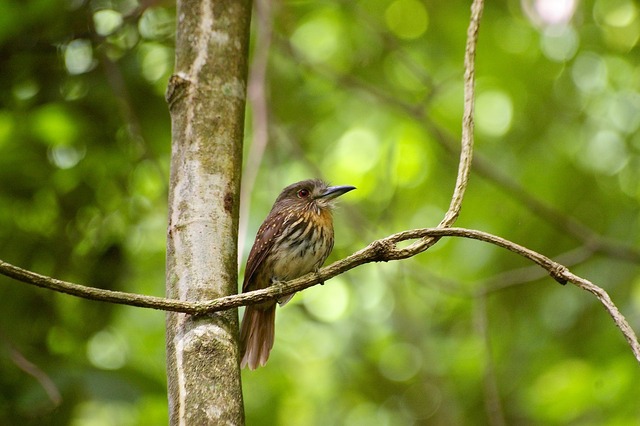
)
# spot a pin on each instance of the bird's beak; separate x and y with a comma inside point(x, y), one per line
point(336, 191)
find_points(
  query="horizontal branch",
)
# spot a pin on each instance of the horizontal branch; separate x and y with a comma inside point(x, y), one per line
point(93, 293)
point(382, 250)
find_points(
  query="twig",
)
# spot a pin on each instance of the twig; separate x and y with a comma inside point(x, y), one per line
point(93, 293)
point(466, 154)
point(382, 250)
point(128, 113)
point(34, 371)
point(258, 98)
point(608, 304)
point(492, 403)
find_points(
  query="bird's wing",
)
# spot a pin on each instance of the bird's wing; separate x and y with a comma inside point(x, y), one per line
point(270, 229)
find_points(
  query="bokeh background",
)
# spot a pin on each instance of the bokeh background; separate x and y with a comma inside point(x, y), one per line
point(367, 93)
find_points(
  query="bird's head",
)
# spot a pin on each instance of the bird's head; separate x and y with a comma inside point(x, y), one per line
point(311, 194)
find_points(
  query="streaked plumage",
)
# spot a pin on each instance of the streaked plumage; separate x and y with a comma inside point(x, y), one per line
point(295, 239)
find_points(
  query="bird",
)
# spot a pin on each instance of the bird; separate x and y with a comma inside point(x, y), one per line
point(295, 239)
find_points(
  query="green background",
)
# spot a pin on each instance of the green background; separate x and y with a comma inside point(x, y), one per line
point(365, 93)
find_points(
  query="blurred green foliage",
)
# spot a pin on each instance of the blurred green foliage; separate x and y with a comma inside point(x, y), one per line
point(367, 93)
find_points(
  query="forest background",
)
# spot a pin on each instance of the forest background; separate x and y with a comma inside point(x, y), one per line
point(366, 93)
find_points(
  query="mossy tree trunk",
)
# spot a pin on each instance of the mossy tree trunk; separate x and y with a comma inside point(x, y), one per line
point(206, 97)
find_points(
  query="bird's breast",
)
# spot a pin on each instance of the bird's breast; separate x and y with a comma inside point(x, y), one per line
point(303, 246)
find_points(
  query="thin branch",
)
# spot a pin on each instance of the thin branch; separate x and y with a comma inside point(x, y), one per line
point(128, 114)
point(257, 94)
point(93, 293)
point(466, 154)
point(34, 371)
point(608, 304)
point(492, 403)
point(382, 250)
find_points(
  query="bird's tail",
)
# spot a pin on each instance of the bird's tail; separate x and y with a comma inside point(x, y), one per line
point(256, 335)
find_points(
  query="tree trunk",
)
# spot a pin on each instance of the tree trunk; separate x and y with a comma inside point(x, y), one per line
point(206, 97)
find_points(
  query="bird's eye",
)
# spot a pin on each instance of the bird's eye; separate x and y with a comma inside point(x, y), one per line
point(303, 193)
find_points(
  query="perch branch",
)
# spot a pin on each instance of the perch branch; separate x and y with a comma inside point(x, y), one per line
point(382, 250)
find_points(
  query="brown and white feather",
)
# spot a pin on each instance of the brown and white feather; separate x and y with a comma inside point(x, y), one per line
point(295, 239)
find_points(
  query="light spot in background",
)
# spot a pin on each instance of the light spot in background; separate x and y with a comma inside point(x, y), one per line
point(156, 23)
point(155, 60)
point(375, 302)
point(407, 19)
point(624, 111)
point(74, 89)
point(65, 157)
point(605, 153)
point(549, 12)
point(356, 152)
point(107, 350)
point(494, 113)
point(559, 44)
point(330, 302)
point(589, 72)
point(318, 38)
point(106, 21)
point(409, 158)
point(78, 56)
point(618, 23)
point(25, 90)
point(629, 181)
point(359, 147)
point(124, 39)
point(615, 13)
point(102, 413)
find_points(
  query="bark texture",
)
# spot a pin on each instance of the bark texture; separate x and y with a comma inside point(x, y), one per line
point(206, 97)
